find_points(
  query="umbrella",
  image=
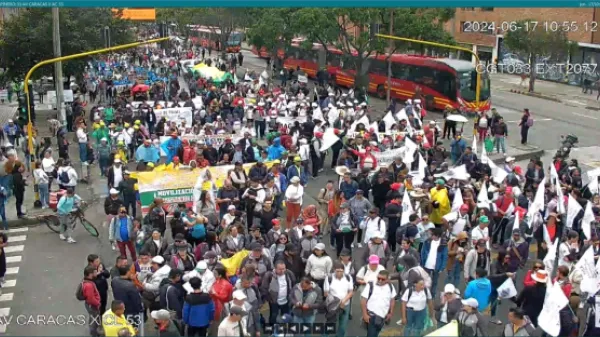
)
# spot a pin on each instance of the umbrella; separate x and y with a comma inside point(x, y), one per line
point(140, 88)
point(457, 118)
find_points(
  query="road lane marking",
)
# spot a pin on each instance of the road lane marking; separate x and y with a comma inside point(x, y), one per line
point(6, 297)
point(4, 312)
point(17, 238)
point(582, 115)
point(14, 249)
point(12, 270)
point(14, 259)
point(18, 230)
point(9, 284)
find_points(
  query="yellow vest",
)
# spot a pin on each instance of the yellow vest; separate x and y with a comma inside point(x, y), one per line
point(112, 324)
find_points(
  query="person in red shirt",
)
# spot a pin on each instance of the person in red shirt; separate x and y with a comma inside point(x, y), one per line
point(366, 158)
point(537, 265)
point(503, 203)
point(91, 297)
point(563, 280)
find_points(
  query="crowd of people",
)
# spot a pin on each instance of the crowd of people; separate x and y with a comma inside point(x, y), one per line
point(389, 235)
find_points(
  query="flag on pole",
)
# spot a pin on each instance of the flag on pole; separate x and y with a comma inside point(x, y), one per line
point(586, 221)
point(474, 145)
point(458, 200)
point(407, 209)
point(537, 204)
point(483, 194)
point(573, 208)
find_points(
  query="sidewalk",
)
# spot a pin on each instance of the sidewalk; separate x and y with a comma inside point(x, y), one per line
point(559, 92)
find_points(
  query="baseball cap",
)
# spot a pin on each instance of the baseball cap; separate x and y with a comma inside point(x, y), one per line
point(235, 310)
point(239, 295)
point(449, 288)
point(373, 259)
point(158, 259)
point(471, 302)
point(161, 314)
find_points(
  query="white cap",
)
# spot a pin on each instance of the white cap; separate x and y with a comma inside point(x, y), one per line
point(510, 159)
point(377, 235)
point(231, 208)
point(471, 302)
point(113, 191)
point(239, 295)
point(202, 265)
point(449, 288)
point(10, 121)
point(117, 160)
point(158, 259)
point(308, 228)
point(363, 104)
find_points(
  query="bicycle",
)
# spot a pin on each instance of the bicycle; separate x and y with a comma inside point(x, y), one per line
point(76, 216)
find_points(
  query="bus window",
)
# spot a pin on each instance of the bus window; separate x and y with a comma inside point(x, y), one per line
point(446, 85)
point(333, 60)
point(378, 67)
point(400, 71)
point(422, 75)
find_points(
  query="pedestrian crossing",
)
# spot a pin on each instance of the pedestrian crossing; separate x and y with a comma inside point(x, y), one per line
point(13, 251)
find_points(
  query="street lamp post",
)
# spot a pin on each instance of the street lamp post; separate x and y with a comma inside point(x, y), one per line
point(58, 75)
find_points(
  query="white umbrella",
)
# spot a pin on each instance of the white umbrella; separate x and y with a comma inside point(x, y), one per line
point(457, 118)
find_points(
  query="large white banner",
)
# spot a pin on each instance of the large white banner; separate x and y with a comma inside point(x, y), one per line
point(387, 157)
point(549, 318)
point(176, 115)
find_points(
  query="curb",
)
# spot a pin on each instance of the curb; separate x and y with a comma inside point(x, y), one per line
point(533, 94)
point(521, 156)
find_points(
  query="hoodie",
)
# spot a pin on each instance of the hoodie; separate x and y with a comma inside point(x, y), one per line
point(198, 310)
point(153, 284)
point(479, 289)
point(318, 267)
point(276, 150)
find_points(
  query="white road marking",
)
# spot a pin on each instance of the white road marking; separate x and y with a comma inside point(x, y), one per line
point(537, 120)
point(9, 284)
point(14, 249)
point(18, 230)
point(4, 312)
point(6, 297)
point(17, 238)
point(582, 115)
point(12, 271)
point(14, 259)
point(576, 102)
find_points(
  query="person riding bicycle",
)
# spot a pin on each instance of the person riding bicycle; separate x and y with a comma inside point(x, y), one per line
point(67, 205)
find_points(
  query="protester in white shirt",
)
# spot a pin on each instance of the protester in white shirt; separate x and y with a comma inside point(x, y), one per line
point(377, 303)
point(481, 232)
point(71, 174)
point(415, 302)
point(293, 199)
point(458, 220)
point(231, 326)
point(372, 224)
point(338, 290)
point(369, 272)
point(565, 249)
point(42, 180)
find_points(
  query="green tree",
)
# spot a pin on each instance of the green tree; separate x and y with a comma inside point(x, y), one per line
point(535, 43)
point(26, 39)
point(273, 29)
point(182, 18)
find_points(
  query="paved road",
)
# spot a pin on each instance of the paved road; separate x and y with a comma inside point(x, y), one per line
point(552, 119)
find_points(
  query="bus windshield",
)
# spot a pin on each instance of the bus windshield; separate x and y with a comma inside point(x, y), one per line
point(235, 39)
point(465, 78)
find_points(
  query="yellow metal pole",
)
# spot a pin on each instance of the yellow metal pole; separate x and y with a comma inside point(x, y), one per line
point(72, 57)
point(442, 45)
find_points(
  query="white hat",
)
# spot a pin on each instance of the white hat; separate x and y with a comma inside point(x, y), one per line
point(331, 94)
point(202, 265)
point(239, 295)
point(363, 104)
point(449, 288)
point(308, 228)
point(471, 302)
point(417, 101)
point(540, 276)
point(10, 121)
point(117, 160)
point(158, 259)
point(341, 170)
point(409, 101)
point(377, 235)
point(314, 105)
point(161, 314)
point(113, 191)
point(295, 179)
point(231, 208)
point(320, 246)
point(510, 159)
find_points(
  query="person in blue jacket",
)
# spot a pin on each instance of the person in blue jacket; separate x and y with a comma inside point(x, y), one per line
point(457, 147)
point(171, 147)
point(198, 310)
point(147, 153)
point(297, 170)
point(275, 150)
point(434, 256)
point(480, 289)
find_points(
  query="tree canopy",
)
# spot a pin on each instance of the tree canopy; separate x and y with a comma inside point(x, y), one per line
point(348, 29)
point(534, 43)
point(26, 38)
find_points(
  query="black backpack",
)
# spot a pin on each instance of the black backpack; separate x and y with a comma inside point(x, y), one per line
point(330, 278)
point(371, 284)
point(63, 177)
point(79, 292)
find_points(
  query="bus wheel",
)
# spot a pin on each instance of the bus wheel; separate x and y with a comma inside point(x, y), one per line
point(381, 93)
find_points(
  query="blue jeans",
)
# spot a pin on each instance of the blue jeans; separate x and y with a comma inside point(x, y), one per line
point(83, 152)
point(373, 328)
point(307, 320)
point(342, 320)
point(103, 163)
point(454, 273)
point(44, 194)
point(3, 215)
point(499, 144)
point(5, 182)
point(415, 322)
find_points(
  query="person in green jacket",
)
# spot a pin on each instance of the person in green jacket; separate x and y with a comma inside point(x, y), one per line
point(100, 132)
point(109, 115)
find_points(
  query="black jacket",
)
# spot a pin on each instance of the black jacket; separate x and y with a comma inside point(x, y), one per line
point(124, 290)
point(171, 297)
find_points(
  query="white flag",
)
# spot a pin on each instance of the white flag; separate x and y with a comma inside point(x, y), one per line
point(549, 318)
point(560, 208)
point(409, 153)
point(551, 256)
point(474, 145)
point(553, 174)
point(507, 289)
point(407, 209)
point(420, 177)
point(537, 204)
point(586, 221)
point(458, 200)
point(329, 138)
point(517, 222)
point(483, 194)
point(587, 266)
point(573, 208)
point(594, 187)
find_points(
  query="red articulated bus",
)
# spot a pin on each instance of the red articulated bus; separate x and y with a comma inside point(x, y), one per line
point(210, 36)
